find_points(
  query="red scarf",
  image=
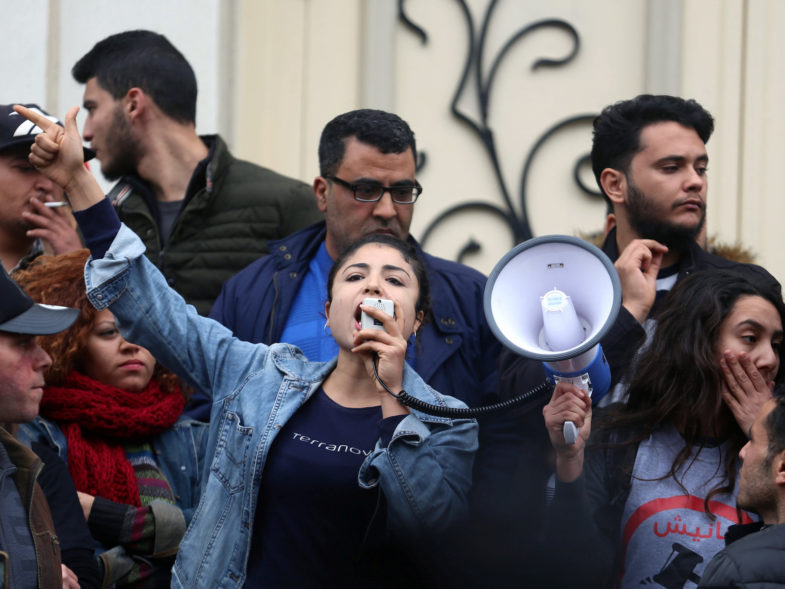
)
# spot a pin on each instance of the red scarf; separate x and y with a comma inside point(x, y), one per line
point(97, 419)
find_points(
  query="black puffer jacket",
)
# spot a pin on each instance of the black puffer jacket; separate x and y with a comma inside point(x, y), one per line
point(754, 560)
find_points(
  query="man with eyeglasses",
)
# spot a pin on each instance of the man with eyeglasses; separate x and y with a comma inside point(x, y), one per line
point(366, 184)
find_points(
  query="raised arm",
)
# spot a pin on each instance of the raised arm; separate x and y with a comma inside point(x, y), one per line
point(148, 311)
point(57, 153)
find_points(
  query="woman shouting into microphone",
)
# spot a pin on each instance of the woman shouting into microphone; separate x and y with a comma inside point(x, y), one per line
point(317, 476)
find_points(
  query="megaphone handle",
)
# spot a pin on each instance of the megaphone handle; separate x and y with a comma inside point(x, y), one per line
point(570, 432)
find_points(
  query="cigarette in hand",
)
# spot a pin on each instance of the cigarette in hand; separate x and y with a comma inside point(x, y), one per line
point(55, 204)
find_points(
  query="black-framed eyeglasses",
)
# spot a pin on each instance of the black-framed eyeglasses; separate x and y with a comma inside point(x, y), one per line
point(405, 194)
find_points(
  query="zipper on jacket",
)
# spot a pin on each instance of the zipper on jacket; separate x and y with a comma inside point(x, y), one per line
point(270, 338)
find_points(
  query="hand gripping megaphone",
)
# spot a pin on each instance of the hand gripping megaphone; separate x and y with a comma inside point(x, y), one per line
point(552, 298)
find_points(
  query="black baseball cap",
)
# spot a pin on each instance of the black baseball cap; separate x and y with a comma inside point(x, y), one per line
point(15, 130)
point(20, 314)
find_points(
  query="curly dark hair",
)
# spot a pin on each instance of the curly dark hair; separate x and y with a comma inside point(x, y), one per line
point(617, 129)
point(59, 280)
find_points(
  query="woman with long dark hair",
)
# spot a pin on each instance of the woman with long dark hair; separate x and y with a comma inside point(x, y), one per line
point(651, 497)
point(114, 415)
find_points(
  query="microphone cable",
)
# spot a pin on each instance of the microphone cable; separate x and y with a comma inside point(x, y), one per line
point(464, 412)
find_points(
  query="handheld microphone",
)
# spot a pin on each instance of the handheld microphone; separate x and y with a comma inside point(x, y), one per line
point(368, 322)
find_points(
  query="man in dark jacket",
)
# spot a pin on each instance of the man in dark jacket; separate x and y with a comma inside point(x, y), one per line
point(202, 214)
point(41, 521)
point(755, 553)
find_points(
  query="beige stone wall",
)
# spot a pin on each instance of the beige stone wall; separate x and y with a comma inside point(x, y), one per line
point(724, 53)
point(272, 72)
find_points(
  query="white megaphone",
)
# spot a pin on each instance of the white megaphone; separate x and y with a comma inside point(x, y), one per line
point(553, 298)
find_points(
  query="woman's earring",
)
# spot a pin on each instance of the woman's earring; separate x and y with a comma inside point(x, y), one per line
point(324, 329)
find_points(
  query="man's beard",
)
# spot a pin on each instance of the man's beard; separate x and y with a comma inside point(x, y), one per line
point(758, 494)
point(125, 149)
point(646, 221)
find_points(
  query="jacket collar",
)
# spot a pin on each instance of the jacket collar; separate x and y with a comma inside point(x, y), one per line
point(291, 362)
point(217, 160)
point(302, 245)
point(686, 264)
point(22, 457)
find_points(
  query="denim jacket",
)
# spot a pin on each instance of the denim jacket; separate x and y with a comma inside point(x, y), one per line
point(179, 453)
point(424, 472)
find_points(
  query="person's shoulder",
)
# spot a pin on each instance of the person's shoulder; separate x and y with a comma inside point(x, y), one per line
point(252, 172)
point(290, 360)
point(754, 557)
point(753, 272)
point(771, 537)
point(421, 390)
point(454, 271)
point(292, 248)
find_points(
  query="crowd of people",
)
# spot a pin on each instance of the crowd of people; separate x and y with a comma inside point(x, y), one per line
point(196, 391)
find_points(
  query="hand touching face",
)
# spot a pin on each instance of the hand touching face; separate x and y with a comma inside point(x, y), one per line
point(749, 346)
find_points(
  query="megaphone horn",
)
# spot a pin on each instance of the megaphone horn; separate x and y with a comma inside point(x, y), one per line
point(552, 298)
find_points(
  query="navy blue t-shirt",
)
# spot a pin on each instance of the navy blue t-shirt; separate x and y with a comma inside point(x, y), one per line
point(312, 517)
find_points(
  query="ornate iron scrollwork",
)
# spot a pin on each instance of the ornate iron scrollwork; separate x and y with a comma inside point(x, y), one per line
point(519, 226)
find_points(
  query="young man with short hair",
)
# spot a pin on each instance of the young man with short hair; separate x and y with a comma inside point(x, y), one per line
point(202, 214)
